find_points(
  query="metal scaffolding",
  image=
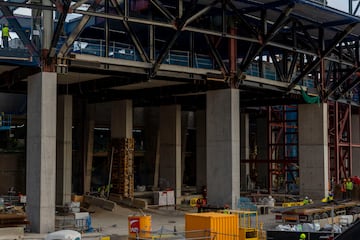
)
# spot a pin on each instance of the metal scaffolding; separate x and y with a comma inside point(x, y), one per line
point(341, 139)
point(283, 148)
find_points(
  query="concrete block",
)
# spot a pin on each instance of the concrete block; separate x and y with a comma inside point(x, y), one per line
point(100, 202)
point(164, 198)
point(16, 231)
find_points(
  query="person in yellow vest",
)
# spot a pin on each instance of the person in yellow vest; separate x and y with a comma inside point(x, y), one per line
point(5, 35)
point(306, 200)
point(302, 236)
point(349, 188)
point(329, 198)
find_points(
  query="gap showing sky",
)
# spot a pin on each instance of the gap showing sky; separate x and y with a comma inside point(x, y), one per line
point(342, 5)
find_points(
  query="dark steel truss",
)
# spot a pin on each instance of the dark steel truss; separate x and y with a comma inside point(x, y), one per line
point(299, 47)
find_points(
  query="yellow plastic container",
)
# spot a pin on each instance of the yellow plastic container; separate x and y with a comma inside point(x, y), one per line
point(219, 226)
point(139, 226)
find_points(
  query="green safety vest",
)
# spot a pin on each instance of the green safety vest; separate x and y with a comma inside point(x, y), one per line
point(349, 186)
point(5, 31)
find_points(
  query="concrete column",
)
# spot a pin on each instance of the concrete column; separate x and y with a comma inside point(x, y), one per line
point(170, 148)
point(223, 146)
point(122, 119)
point(64, 149)
point(355, 133)
point(313, 150)
point(200, 119)
point(47, 30)
point(184, 127)
point(88, 145)
point(150, 166)
point(41, 151)
point(244, 151)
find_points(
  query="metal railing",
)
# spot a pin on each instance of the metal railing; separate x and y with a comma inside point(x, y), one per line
point(163, 233)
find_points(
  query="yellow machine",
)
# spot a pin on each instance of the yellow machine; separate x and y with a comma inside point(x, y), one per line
point(248, 224)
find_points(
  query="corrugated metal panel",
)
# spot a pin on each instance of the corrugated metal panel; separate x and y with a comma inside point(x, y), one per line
point(222, 226)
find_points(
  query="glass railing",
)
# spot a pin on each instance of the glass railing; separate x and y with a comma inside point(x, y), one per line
point(5, 121)
point(118, 50)
point(96, 47)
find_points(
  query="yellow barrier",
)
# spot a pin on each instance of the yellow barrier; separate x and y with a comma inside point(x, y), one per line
point(193, 202)
point(292, 204)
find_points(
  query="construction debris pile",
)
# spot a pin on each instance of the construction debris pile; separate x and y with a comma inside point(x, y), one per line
point(12, 211)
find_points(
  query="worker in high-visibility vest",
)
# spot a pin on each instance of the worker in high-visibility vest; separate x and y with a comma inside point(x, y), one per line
point(302, 236)
point(349, 188)
point(5, 35)
point(328, 199)
point(306, 200)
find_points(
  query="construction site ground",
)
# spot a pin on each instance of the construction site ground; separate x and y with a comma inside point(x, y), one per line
point(115, 223)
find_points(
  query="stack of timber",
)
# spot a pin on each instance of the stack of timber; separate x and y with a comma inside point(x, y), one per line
point(13, 220)
point(316, 211)
point(122, 169)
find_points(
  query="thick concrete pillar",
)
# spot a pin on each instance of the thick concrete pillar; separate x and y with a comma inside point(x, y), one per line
point(64, 149)
point(244, 151)
point(355, 134)
point(200, 119)
point(122, 119)
point(313, 150)
point(223, 146)
point(170, 149)
point(41, 151)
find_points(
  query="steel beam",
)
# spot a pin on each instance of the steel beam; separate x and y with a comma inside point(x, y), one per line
point(180, 24)
point(339, 82)
point(163, 10)
point(65, 48)
point(59, 28)
point(313, 65)
point(282, 19)
point(216, 55)
point(133, 36)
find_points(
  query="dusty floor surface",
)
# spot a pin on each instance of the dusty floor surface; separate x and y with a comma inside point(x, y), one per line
point(163, 219)
point(115, 223)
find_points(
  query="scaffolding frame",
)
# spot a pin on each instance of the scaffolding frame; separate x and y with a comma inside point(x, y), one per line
point(341, 139)
point(283, 150)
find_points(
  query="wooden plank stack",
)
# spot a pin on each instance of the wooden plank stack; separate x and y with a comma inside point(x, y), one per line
point(122, 174)
point(13, 220)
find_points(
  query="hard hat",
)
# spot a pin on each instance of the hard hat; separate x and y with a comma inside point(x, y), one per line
point(306, 197)
point(302, 236)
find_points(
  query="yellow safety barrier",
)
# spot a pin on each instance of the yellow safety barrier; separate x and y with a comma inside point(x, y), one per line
point(292, 204)
point(193, 202)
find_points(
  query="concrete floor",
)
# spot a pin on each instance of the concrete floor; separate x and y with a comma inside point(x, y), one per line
point(115, 223)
